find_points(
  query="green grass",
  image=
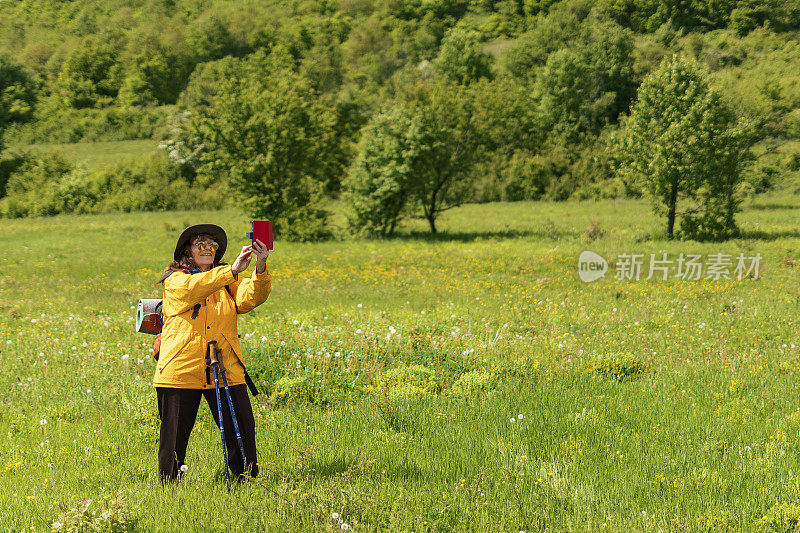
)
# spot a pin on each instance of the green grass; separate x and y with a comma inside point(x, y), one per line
point(701, 435)
point(96, 154)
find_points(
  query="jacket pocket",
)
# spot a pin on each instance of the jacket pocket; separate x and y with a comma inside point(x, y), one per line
point(233, 341)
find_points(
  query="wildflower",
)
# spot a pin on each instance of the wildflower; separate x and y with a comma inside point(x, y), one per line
point(8, 342)
point(345, 527)
point(359, 305)
point(512, 419)
point(520, 416)
point(283, 343)
point(358, 331)
point(124, 357)
point(42, 422)
point(335, 516)
point(184, 468)
point(295, 322)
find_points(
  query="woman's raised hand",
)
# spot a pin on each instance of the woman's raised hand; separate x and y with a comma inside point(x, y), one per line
point(261, 252)
point(243, 261)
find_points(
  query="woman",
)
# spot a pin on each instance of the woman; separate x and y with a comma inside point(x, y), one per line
point(202, 297)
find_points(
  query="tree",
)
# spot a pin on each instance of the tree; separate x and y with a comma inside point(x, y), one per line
point(588, 85)
point(381, 176)
point(273, 138)
point(18, 91)
point(449, 147)
point(88, 77)
point(681, 142)
point(461, 58)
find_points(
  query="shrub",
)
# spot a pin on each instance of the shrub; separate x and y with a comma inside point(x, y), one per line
point(474, 382)
point(293, 390)
point(65, 125)
point(782, 517)
point(523, 367)
point(616, 365)
point(406, 382)
point(49, 184)
point(32, 188)
point(90, 516)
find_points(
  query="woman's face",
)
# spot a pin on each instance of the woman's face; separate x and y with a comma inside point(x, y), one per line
point(202, 258)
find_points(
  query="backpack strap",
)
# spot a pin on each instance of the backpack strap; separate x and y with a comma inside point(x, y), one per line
point(228, 288)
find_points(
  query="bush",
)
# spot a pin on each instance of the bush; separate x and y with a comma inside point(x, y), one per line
point(782, 517)
point(63, 125)
point(471, 383)
point(406, 382)
point(316, 389)
point(49, 184)
point(616, 365)
point(90, 516)
point(522, 367)
point(33, 187)
point(293, 390)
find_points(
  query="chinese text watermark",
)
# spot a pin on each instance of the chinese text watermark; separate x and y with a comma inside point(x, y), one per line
point(715, 267)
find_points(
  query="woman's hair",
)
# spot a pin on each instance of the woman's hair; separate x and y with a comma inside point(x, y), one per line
point(186, 263)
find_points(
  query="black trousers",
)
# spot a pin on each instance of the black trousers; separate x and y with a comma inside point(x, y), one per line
point(177, 409)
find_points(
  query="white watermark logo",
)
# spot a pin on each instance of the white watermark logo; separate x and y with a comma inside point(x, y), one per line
point(715, 267)
point(591, 266)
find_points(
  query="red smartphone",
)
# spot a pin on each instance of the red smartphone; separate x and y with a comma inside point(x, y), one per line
point(262, 230)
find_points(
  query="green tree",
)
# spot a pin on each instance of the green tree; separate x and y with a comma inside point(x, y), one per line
point(88, 77)
point(155, 67)
point(268, 132)
point(381, 176)
point(586, 86)
point(449, 147)
point(681, 142)
point(18, 91)
point(461, 57)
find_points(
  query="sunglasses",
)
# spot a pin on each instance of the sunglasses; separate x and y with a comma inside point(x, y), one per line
point(204, 245)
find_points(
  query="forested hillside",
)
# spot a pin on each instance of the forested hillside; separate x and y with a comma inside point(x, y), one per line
point(535, 92)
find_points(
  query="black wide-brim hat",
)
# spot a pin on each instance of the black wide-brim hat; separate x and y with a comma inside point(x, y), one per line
point(192, 231)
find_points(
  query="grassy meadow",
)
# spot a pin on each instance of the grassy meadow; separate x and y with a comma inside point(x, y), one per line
point(467, 381)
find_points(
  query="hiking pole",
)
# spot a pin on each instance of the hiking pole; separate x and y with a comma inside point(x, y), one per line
point(212, 360)
point(233, 417)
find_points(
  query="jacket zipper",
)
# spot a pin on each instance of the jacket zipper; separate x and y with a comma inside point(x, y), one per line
point(205, 329)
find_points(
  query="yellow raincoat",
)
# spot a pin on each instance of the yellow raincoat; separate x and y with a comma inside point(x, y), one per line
point(197, 308)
